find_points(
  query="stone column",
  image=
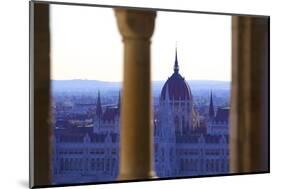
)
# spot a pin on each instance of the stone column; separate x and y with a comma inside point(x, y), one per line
point(249, 102)
point(40, 128)
point(136, 142)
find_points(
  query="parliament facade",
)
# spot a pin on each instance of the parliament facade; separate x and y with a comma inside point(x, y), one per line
point(183, 146)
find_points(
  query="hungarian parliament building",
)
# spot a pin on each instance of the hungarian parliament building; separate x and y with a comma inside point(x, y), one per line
point(183, 146)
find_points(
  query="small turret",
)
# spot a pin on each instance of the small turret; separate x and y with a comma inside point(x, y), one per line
point(99, 108)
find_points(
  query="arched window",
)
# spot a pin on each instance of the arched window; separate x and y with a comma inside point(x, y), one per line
point(107, 165)
point(177, 124)
point(181, 165)
point(80, 165)
point(76, 164)
point(66, 166)
point(98, 164)
point(92, 164)
point(70, 165)
point(207, 165)
point(183, 125)
point(61, 165)
point(222, 165)
point(202, 165)
point(112, 164)
point(87, 164)
point(102, 164)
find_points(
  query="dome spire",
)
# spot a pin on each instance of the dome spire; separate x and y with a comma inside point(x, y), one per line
point(176, 65)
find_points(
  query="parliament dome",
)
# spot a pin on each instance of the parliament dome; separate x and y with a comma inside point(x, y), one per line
point(178, 88)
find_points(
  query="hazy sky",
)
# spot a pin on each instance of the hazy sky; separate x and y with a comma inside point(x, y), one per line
point(86, 44)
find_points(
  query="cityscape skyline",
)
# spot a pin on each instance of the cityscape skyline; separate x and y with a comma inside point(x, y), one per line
point(190, 132)
point(189, 138)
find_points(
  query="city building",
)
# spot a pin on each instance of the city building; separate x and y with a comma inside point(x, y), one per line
point(180, 150)
point(87, 154)
point(182, 145)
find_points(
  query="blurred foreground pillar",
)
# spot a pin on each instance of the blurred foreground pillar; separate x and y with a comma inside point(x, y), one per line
point(40, 129)
point(136, 148)
point(250, 86)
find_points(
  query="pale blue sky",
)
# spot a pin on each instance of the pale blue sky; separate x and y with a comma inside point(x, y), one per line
point(86, 44)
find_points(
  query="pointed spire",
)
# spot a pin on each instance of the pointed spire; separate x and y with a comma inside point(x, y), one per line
point(176, 66)
point(211, 106)
point(99, 108)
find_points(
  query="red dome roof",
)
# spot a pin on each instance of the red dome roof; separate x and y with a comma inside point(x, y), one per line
point(177, 87)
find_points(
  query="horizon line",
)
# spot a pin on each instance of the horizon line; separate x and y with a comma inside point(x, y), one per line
point(122, 81)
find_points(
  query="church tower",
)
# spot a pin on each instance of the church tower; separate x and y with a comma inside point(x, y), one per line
point(98, 116)
point(175, 120)
point(98, 108)
point(211, 107)
point(180, 98)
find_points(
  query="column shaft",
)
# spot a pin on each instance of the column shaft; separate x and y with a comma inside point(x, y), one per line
point(40, 128)
point(249, 102)
point(136, 150)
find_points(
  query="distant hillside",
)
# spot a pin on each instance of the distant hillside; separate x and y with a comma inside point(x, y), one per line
point(94, 85)
point(83, 85)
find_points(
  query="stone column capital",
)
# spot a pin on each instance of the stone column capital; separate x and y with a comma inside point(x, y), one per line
point(135, 24)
